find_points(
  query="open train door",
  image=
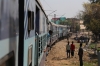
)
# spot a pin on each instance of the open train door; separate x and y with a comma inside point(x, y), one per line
point(37, 14)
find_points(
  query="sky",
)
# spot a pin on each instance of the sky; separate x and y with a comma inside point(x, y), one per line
point(64, 8)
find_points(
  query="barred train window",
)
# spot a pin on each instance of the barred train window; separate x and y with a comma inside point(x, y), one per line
point(30, 56)
point(30, 21)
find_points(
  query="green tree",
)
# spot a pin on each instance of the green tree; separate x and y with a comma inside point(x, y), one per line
point(95, 1)
point(91, 16)
point(62, 22)
point(79, 15)
point(77, 27)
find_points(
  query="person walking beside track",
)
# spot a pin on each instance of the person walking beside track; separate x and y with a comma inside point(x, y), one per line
point(80, 54)
point(68, 50)
point(72, 49)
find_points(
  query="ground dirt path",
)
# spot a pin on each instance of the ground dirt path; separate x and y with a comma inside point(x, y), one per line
point(57, 55)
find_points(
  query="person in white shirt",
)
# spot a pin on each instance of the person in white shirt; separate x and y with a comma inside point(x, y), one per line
point(68, 50)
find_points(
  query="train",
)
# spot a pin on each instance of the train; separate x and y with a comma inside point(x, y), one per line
point(26, 32)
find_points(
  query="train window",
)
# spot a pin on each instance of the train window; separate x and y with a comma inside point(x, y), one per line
point(7, 60)
point(30, 56)
point(30, 21)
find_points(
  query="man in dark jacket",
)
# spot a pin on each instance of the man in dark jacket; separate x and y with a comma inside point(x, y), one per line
point(80, 53)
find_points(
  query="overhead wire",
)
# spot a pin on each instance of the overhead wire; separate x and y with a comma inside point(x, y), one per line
point(48, 4)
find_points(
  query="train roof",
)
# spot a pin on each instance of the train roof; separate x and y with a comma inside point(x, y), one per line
point(39, 3)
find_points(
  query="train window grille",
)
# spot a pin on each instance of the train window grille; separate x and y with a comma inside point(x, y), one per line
point(42, 40)
point(39, 42)
point(30, 56)
point(42, 44)
point(40, 47)
point(39, 51)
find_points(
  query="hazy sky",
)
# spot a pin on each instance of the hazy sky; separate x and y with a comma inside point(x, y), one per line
point(68, 7)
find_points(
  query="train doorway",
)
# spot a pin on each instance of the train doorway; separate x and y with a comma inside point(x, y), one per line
point(36, 34)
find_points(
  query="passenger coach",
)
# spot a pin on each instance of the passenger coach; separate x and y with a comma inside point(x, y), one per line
point(25, 33)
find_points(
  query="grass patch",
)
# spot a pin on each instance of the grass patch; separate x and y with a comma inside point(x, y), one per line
point(92, 46)
point(88, 64)
point(98, 48)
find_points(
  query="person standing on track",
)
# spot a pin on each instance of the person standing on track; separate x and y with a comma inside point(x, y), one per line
point(80, 54)
point(68, 50)
point(72, 49)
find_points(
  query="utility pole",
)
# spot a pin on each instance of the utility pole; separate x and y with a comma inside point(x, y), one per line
point(51, 13)
point(55, 18)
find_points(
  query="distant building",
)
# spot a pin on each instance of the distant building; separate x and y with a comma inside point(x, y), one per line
point(54, 19)
point(62, 18)
point(57, 20)
point(82, 27)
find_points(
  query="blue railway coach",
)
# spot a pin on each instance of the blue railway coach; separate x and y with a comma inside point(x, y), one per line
point(35, 33)
point(23, 33)
point(24, 29)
